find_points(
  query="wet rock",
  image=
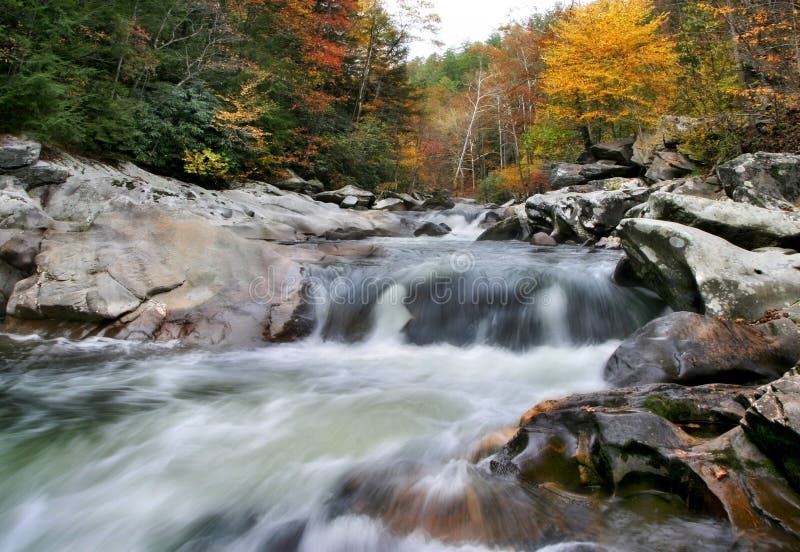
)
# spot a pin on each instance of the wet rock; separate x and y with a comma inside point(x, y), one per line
point(363, 197)
point(680, 444)
point(354, 234)
point(744, 225)
point(515, 227)
point(692, 349)
point(773, 423)
point(352, 250)
point(620, 151)
point(18, 152)
point(695, 271)
point(542, 239)
point(768, 180)
point(432, 229)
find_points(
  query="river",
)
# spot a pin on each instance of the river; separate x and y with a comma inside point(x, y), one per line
point(419, 352)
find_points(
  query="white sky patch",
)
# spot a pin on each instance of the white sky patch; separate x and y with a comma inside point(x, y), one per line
point(474, 20)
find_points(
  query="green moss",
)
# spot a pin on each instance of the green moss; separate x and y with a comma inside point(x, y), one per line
point(674, 411)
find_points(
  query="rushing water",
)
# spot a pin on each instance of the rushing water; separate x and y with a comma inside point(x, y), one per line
point(106, 445)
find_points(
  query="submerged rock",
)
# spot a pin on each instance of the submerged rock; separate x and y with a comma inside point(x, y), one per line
point(696, 271)
point(692, 349)
point(769, 180)
point(744, 225)
point(432, 229)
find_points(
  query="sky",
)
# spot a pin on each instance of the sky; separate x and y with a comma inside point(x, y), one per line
point(473, 20)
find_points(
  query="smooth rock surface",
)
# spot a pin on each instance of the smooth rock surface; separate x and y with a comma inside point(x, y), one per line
point(695, 271)
point(741, 224)
point(691, 349)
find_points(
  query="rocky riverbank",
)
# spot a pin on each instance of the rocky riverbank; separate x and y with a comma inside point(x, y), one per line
point(701, 419)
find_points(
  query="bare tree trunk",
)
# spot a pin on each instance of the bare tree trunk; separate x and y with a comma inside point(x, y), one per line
point(476, 109)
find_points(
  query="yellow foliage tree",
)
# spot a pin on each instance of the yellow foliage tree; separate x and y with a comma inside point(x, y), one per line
point(608, 66)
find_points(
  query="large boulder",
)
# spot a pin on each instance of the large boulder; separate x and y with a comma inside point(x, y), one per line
point(619, 151)
point(432, 229)
point(693, 349)
point(696, 271)
point(661, 446)
point(180, 277)
point(514, 227)
point(18, 152)
point(294, 183)
point(390, 204)
point(669, 165)
point(769, 180)
point(744, 225)
point(363, 197)
point(773, 424)
point(585, 216)
point(563, 175)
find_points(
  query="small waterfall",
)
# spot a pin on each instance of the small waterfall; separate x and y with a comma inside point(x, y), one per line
point(515, 297)
point(467, 223)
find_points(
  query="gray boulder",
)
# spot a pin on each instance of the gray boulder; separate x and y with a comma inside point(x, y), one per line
point(669, 165)
point(18, 210)
point(563, 175)
point(209, 285)
point(432, 229)
point(769, 180)
point(294, 183)
point(19, 249)
point(363, 197)
point(18, 152)
point(586, 216)
point(542, 239)
point(619, 151)
point(516, 226)
point(350, 202)
point(696, 271)
point(744, 225)
point(693, 349)
point(40, 174)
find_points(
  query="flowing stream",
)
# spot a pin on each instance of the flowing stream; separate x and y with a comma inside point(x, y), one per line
point(420, 350)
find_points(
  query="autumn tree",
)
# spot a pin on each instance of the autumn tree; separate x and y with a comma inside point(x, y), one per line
point(609, 68)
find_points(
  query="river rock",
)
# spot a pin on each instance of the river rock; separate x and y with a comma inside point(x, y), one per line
point(18, 152)
point(692, 349)
point(542, 239)
point(619, 151)
point(769, 180)
point(572, 174)
point(439, 201)
point(350, 202)
point(660, 440)
point(515, 227)
point(586, 216)
point(432, 229)
point(773, 423)
point(214, 286)
point(741, 224)
point(390, 204)
point(669, 165)
point(9, 277)
point(696, 271)
point(363, 197)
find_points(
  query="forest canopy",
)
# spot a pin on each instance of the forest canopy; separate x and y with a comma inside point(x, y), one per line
point(213, 90)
